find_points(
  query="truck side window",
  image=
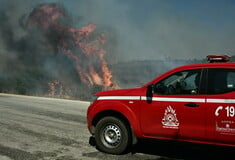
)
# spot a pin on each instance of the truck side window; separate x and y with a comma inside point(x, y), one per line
point(221, 81)
point(181, 83)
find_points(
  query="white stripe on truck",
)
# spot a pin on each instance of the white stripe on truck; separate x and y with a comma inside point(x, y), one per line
point(166, 99)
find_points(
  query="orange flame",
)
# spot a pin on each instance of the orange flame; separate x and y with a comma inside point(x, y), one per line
point(80, 45)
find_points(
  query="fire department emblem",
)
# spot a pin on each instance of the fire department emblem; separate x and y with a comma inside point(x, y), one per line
point(170, 120)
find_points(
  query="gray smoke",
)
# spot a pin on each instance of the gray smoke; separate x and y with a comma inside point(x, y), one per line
point(137, 30)
point(29, 61)
point(150, 29)
point(158, 29)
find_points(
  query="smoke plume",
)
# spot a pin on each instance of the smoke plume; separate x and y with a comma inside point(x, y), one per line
point(79, 45)
point(52, 57)
point(60, 47)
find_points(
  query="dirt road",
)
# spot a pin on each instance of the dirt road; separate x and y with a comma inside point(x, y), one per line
point(33, 128)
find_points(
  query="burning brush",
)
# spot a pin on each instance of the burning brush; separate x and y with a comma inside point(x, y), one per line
point(81, 46)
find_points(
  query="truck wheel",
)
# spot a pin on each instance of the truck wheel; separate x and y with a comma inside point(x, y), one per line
point(112, 135)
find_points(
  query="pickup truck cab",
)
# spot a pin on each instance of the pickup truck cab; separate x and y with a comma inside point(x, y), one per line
point(192, 103)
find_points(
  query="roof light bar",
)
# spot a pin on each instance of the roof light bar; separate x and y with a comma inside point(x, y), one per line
point(218, 58)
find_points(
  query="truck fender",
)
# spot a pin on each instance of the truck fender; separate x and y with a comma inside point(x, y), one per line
point(122, 109)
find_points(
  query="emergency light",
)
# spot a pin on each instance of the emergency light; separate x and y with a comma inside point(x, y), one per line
point(218, 58)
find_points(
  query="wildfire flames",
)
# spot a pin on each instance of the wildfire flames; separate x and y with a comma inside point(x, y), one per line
point(82, 46)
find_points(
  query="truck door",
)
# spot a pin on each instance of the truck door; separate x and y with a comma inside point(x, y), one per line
point(176, 109)
point(221, 105)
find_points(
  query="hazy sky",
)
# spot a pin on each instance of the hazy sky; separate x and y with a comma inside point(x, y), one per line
point(154, 29)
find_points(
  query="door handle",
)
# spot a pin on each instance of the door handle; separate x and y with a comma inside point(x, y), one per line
point(191, 105)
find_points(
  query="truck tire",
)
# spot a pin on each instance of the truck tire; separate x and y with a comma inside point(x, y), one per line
point(112, 135)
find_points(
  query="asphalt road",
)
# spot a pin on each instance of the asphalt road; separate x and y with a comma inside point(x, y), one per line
point(33, 128)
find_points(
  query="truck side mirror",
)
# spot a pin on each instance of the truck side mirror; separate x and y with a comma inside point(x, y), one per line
point(149, 93)
point(151, 89)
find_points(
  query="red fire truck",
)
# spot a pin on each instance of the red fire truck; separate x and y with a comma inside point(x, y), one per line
point(192, 103)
